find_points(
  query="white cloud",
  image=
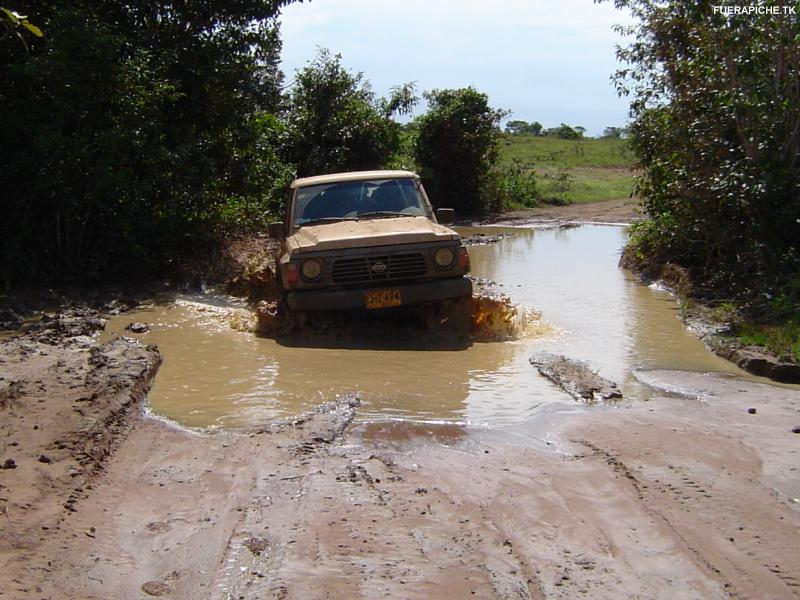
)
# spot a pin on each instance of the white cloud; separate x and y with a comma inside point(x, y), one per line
point(546, 61)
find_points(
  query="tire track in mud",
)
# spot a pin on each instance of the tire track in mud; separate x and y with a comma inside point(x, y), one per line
point(304, 509)
point(349, 522)
point(67, 410)
point(509, 577)
point(641, 489)
point(682, 497)
point(255, 552)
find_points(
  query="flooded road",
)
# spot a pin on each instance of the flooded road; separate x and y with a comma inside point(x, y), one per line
point(216, 376)
point(688, 495)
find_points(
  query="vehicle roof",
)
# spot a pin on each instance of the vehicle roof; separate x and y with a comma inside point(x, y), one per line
point(352, 176)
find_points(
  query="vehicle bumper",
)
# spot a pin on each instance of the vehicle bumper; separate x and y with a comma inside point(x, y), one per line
point(414, 293)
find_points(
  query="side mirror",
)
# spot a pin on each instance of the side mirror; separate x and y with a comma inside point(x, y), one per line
point(276, 231)
point(445, 215)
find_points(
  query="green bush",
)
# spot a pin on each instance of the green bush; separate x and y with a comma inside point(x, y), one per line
point(516, 186)
point(457, 150)
point(781, 338)
point(556, 187)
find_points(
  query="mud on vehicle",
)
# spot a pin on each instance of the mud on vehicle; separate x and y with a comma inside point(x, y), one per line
point(368, 240)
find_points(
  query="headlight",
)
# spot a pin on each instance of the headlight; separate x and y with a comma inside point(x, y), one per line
point(444, 257)
point(311, 269)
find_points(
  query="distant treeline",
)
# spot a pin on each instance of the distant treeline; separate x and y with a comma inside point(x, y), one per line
point(135, 133)
point(563, 131)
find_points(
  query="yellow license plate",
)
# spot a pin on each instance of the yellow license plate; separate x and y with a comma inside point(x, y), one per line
point(383, 298)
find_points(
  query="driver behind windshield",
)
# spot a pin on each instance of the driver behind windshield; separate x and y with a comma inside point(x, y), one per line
point(350, 200)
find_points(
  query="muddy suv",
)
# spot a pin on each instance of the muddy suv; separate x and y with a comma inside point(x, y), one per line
point(367, 240)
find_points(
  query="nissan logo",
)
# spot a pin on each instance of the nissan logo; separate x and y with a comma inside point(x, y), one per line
point(378, 267)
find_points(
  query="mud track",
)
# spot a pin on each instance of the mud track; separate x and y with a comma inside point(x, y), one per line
point(690, 495)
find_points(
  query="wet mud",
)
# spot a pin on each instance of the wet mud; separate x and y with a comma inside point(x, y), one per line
point(576, 378)
point(688, 492)
point(66, 404)
point(679, 497)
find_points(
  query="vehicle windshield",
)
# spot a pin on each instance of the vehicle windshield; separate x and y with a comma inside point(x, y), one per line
point(354, 200)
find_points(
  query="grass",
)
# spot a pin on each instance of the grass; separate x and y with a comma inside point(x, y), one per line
point(782, 339)
point(598, 169)
point(595, 184)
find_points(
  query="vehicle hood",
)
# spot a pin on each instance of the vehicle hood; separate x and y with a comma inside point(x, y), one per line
point(368, 232)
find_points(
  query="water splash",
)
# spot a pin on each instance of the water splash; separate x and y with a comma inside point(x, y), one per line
point(481, 318)
point(241, 319)
point(497, 318)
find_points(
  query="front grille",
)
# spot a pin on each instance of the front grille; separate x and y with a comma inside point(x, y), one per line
point(366, 269)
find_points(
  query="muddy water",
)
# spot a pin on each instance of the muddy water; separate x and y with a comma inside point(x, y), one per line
point(217, 376)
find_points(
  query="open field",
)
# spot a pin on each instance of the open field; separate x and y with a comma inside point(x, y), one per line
point(599, 169)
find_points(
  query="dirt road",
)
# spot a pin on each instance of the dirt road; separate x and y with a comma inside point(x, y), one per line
point(690, 495)
point(624, 210)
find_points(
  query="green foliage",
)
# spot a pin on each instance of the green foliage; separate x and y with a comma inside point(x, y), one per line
point(724, 312)
point(565, 132)
point(517, 127)
point(266, 179)
point(516, 186)
point(647, 239)
point(457, 150)
point(403, 157)
point(781, 338)
point(556, 187)
point(337, 124)
point(14, 24)
point(615, 132)
point(716, 107)
point(128, 128)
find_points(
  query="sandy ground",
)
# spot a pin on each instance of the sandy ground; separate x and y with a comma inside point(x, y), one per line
point(693, 494)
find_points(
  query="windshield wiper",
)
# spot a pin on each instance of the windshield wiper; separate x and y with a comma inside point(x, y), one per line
point(319, 220)
point(385, 213)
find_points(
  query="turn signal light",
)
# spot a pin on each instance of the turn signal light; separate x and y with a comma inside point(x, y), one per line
point(463, 258)
point(292, 274)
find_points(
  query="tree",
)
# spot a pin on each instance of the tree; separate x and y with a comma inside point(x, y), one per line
point(517, 127)
point(336, 122)
point(127, 128)
point(615, 132)
point(457, 149)
point(715, 97)
point(565, 132)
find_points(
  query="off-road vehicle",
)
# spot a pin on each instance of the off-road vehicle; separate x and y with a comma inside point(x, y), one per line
point(370, 240)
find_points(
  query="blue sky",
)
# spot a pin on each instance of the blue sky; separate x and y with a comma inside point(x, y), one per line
point(545, 61)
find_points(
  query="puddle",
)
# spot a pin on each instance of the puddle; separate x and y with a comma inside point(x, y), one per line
point(217, 374)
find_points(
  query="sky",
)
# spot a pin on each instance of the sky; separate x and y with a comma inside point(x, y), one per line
point(547, 61)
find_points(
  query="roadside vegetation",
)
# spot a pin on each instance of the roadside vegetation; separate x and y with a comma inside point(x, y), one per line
point(716, 104)
point(136, 134)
